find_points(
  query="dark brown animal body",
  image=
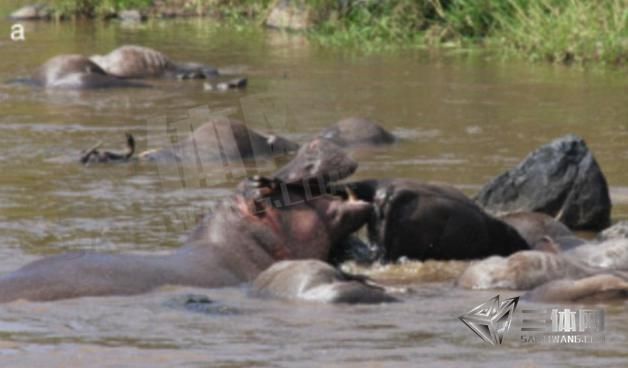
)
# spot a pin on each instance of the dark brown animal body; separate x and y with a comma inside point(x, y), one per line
point(427, 221)
point(542, 231)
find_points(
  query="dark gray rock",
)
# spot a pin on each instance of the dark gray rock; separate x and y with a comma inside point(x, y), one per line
point(561, 179)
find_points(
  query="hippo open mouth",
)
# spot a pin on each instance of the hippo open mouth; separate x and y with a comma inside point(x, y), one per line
point(265, 221)
point(245, 235)
point(269, 198)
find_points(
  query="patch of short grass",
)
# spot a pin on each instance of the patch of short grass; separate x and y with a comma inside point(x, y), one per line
point(566, 31)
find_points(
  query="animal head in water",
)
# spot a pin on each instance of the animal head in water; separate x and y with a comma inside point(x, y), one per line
point(320, 160)
point(307, 222)
point(357, 131)
point(94, 155)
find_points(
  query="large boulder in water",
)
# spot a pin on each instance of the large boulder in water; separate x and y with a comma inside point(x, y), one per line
point(561, 179)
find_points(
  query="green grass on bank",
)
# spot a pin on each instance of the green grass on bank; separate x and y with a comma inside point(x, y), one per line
point(228, 9)
point(567, 31)
point(92, 8)
point(564, 31)
point(561, 31)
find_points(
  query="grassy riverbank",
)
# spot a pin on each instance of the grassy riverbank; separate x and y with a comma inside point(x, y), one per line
point(564, 31)
point(560, 31)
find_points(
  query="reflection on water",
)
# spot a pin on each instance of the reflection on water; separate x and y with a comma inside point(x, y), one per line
point(463, 120)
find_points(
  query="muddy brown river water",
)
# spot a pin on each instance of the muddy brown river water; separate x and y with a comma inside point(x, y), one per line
point(463, 117)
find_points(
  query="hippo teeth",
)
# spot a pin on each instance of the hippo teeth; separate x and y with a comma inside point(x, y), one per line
point(351, 195)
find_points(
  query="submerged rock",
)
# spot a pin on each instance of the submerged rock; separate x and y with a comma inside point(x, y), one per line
point(561, 179)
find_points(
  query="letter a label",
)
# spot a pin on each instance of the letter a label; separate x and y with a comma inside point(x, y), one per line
point(17, 32)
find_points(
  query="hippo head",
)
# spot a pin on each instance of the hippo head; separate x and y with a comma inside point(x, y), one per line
point(279, 145)
point(235, 140)
point(320, 160)
point(306, 223)
point(358, 131)
point(272, 219)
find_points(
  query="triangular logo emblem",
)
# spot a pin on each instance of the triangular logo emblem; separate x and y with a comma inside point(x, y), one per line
point(491, 320)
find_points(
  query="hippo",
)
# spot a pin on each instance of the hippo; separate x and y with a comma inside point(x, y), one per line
point(542, 231)
point(319, 156)
point(357, 131)
point(526, 270)
point(429, 221)
point(76, 72)
point(222, 138)
point(602, 287)
point(131, 61)
point(522, 270)
point(314, 280)
point(606, 267)
point(266, 220)
point(218, 139)
point(240, 238)
point(611, 254)
point(618, 230)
